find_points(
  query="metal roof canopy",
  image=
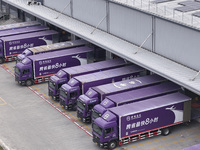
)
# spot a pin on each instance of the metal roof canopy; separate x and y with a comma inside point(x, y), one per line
point(151, 61)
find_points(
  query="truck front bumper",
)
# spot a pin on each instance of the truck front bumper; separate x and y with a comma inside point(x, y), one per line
point(101, 145)
point(54, 97)
point(83, 119)
point(20, 82)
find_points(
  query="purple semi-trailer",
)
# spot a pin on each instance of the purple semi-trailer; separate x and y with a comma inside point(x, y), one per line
point(64, 75)
point(80, 84)
point(11, 46)
point(19, 25)
point(38, 68)
point(133, 96)
point(22, 31)
point(50, 48)
point(96, 94)
point(140, 120)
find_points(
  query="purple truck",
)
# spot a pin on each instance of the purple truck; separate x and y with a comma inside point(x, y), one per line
point(80, 84)
point(133, 96)
point(22, 31)
point(38, 68)
point(11, 46)
point(64, 75)
point(19, 25)
point(96, 94)
point(140, 120)
point(50, 48)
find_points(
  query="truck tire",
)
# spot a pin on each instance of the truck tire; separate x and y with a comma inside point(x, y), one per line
point(29, 82)
point(112, 145)
point(1, 61)
point(165, 131)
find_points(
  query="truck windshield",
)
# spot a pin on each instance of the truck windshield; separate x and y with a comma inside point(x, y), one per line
point(80, 104)
point(95, 114)
point(17, 71)
point(97, 129)
point(63, 93)
point(51, 84)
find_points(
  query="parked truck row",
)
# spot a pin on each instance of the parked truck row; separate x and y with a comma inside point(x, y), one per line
point(122, 100)
point(50, 48)
point(18, 37)
point(64, 75)
point(140, 120)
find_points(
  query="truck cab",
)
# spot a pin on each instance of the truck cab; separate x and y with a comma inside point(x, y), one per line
point(21, 56)
point(69, 93)
point(101, 108)
point(1, 52)
point(85, 103)
point(55, 83)
point(23, 72)
point(105, 132)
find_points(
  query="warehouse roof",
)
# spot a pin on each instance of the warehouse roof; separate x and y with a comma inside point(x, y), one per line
point(156, 63)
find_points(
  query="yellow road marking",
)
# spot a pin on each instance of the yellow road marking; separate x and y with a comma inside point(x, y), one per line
point(160, 139)
point(9, 68)
point(63, 109)
point(4, 102)
point(175, 142)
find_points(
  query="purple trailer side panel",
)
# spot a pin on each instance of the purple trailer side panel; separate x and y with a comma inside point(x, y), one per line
point(108, 76)
point(113, 88)
point(22, 30)
point(135, 95)
point(152, 119)
point(146, 115)
point(89, 68)
point(14, 45)
point(51, 62)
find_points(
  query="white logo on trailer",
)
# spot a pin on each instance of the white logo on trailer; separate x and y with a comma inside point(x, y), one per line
point(81, 60)
point(177, 113)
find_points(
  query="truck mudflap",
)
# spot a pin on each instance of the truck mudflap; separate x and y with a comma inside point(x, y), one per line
point(139, 137)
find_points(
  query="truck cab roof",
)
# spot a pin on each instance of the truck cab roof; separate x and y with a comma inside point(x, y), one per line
point(103, 123)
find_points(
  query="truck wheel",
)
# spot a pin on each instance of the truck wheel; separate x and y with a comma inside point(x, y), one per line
point(112, 145)
point(1, 61)
point(165, 131)
point(28, 83)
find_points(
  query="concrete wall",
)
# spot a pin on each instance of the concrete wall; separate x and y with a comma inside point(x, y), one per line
point(178, 43)
point(174, 41)
point(131, 25)
point(59, 5)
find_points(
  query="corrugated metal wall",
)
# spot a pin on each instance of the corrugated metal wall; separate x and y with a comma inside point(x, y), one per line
point(59, 5)
point(90, 12)
point(130, 25)
point(169, 39)
point(178, 43)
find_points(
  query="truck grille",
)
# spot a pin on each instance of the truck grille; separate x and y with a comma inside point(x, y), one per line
point(16, 78)
point(80, 114)
point(96, 139)
point(50, 93)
